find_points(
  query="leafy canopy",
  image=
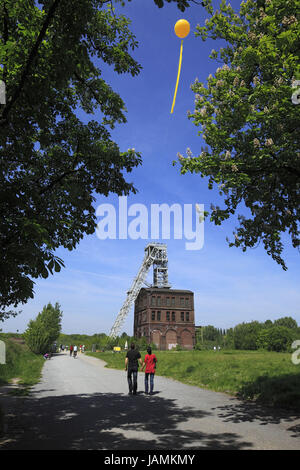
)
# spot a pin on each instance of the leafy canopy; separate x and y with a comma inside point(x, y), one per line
point(249, 122)
point(53, 162)
point(42, 332)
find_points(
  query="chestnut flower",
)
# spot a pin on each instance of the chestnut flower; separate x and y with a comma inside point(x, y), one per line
point(269, 142)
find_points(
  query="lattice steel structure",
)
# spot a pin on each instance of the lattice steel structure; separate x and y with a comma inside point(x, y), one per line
point(156, 255)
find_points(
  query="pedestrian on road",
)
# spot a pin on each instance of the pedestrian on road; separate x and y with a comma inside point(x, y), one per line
point(132, 359)
point(75, 351)
point(71, 350)
point(150, 363)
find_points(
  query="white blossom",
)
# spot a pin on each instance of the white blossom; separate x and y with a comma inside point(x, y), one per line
point(289, 20)
point(269, 142)
point(236, 81)
point(256, 80)
point(278, 81)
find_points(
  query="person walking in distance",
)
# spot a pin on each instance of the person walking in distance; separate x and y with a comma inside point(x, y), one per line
point(150, 363)
point(132, 359)
point(75, 351)
point(71, 350)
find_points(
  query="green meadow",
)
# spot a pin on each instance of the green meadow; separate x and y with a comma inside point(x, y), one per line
point(266, 377)
point(21, 363)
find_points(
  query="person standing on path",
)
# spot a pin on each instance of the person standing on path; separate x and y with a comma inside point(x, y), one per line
point(132, 359)
point(75, 351)
point(150, 363)
point(71, 350)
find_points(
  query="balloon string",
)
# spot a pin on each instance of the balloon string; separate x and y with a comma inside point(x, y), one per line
point(178, 75)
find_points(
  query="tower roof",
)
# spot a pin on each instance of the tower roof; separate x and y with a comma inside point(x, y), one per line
point(166, 290)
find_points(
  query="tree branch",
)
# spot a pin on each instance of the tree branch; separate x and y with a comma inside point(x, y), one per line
point(5, 35)
point(58, 180)
point(29, 62)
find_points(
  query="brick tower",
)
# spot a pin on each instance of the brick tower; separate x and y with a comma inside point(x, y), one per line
point(165, 317)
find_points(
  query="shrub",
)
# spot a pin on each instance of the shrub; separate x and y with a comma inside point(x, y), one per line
point(245, 335)
point(37, 337)
point(44, 330)
point(277, 338)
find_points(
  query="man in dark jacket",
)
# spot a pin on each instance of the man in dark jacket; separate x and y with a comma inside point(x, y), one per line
point(132, 359)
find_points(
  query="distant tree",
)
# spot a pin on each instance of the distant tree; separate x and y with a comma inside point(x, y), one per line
point(245, 335)
point(52, 316)
point(37, 337)
point(277, 338)
point(109, 343)
point(288, 322)
point(210, 333)
point(42, 332)
point(229, 339)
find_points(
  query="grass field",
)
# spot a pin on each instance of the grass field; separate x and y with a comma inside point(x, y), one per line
point(267, 377)
point(21, 363)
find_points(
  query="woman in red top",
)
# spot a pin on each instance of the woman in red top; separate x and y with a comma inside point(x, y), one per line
point(150, 363)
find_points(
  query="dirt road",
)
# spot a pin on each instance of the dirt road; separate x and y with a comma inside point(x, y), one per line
point(80, 404)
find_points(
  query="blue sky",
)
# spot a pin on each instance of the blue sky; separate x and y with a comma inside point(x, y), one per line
point(230, 286)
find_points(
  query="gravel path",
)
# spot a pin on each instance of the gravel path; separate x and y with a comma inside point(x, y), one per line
point(80, 404)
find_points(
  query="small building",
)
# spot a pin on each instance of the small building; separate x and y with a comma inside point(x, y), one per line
point(165, 317)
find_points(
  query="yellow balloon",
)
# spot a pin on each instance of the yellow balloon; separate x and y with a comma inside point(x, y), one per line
point(182, 28)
